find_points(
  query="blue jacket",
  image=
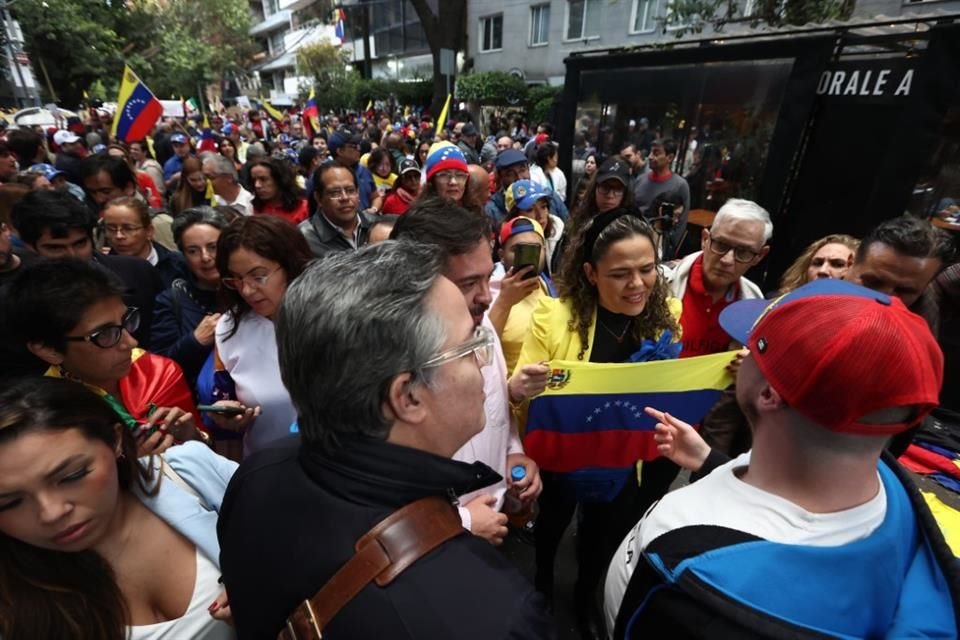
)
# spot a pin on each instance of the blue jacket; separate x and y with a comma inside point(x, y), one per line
point(496, 208)
point(208, 475)
point(901, 581)
point(366, 186)
point(177, 312)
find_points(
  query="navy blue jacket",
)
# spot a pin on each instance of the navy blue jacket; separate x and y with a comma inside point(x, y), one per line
point(177, 312)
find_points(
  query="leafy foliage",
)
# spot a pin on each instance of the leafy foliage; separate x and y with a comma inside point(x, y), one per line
point(491, 87)
point(176, 47)
point(541, 99)
point(693, 16)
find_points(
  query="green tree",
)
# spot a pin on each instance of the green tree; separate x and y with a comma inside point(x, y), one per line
point(75, 40)
point(336, 84)
point(696, 15)
point(445, 29)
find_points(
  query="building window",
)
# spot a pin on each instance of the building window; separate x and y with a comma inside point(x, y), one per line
point(644, 16)
point(491, 33)
point(583, 17)
point(276, 43)
point(539, 24)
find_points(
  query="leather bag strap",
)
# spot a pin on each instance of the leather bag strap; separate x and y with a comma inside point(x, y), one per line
point(380, 556)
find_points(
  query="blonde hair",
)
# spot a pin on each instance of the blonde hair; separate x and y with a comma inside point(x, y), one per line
point(796, 275)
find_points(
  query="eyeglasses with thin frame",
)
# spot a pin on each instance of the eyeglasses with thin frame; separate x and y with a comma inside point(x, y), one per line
point(740, 254)
point(255, 282)
point(109, 336)
point(336, 194)
point(127, 229)
point(450, 176)
point(608, 190)
point(481, 346)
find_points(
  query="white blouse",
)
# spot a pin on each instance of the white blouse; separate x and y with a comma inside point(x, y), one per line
point(196, 623)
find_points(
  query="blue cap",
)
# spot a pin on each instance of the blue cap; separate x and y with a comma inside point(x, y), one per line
point(523, 194)
point(518, 473)
point(48, 171)
point(228, 128)
point(178, 138)
point(739, 319)
point(510, 157)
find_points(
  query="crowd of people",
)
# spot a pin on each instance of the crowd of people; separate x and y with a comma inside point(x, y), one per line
point(239, 358)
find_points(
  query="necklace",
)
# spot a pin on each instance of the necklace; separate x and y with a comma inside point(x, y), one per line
point(618, 337)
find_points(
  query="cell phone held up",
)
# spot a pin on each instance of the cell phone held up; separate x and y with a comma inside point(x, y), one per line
point(527, 254)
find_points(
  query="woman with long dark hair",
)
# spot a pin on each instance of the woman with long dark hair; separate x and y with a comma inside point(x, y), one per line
point(257, 257)
point(613, 306)
point(276, 191)
point(95, 543)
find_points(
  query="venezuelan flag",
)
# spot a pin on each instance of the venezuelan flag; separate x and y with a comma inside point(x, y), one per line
point(137, 109)
point(339, 30)
point(591, 415)
point(311, 113)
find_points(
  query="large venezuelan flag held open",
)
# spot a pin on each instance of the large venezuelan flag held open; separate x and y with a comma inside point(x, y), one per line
point(591, 415)
point(137, 109)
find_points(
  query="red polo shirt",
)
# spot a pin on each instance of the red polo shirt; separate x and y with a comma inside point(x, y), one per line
point(700, 319)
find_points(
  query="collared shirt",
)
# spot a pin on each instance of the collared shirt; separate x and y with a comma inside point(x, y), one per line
point(702, 334)
point(355, 240)
point(153, 258)
point(499, 436)
point(242, 203)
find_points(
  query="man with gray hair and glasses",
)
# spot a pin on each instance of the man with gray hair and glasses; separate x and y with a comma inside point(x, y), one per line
point(386, 378)
point(221, 173)
point(713, 278)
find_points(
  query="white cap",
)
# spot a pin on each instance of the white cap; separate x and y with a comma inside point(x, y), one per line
point(62, 137)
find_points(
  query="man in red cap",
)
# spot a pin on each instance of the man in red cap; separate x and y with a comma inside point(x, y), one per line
point(815, 532)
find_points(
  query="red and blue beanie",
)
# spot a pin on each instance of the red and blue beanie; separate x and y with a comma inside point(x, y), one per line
point(442, 156)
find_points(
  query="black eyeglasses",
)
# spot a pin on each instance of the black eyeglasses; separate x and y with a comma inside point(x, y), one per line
point(740, 254)
point(110, 335)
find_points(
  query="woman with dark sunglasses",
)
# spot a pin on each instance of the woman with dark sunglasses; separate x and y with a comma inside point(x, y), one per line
point(70, 314)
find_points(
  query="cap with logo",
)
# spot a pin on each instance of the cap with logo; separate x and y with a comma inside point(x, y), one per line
point(63, 137)
point(518, 225)
point(831, 350)
point(613, 169)
point(48, 171)
point(522, 195)
point(510, 157)
point(178, 138)
point(408, 165)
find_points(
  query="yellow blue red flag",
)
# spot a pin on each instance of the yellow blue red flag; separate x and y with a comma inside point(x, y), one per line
point(272, 111)
point(591, 415)
point(137, 109)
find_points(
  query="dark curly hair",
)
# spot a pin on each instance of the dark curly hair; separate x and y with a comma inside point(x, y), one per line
point(582, 295)
point(288, 192)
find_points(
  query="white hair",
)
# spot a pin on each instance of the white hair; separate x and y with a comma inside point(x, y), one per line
point(737, 209)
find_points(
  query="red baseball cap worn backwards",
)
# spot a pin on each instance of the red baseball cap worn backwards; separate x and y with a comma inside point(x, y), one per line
point(836, 352)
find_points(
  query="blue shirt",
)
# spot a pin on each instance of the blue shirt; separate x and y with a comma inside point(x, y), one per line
point(172, 166)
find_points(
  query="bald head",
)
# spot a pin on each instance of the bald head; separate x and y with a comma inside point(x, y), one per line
point(506, 142)
point(479, 184)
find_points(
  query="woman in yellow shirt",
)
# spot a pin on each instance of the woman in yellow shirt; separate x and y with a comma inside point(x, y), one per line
point(613, 301)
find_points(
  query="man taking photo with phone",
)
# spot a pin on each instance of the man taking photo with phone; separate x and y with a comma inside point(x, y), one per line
point(524, 280)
